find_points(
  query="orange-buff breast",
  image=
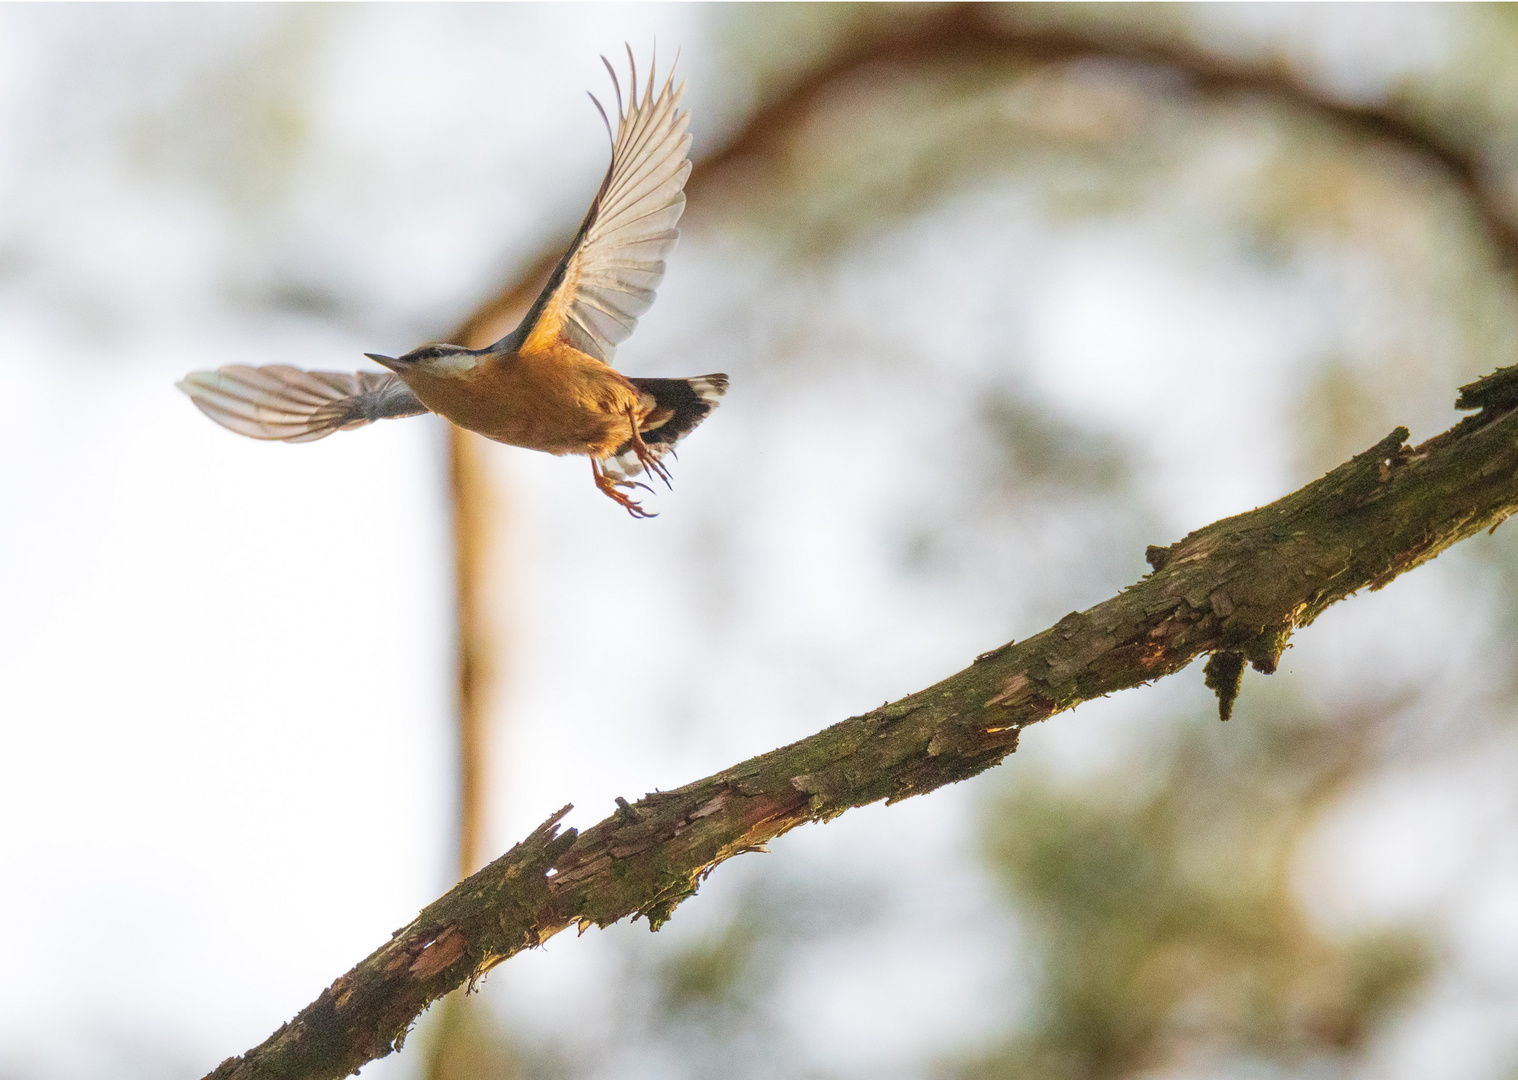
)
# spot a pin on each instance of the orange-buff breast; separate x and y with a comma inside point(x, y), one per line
point(562, 402)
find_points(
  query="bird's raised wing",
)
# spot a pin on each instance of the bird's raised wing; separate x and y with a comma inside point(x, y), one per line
point(291, 405)
point(606, 280)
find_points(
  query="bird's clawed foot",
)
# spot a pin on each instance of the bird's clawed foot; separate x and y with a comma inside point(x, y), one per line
point(652, 466)
point(608, 487)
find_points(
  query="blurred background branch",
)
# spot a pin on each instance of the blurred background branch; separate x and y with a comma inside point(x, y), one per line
point(465, 1041)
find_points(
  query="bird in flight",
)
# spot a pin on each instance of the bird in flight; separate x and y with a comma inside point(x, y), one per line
point(548, 385)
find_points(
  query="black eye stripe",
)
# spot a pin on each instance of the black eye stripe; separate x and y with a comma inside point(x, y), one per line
point(432, 352)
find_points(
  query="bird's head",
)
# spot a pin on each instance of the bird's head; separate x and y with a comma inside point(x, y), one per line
point(439, 359)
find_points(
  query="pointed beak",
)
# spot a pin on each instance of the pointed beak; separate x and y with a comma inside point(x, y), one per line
point(388, 361)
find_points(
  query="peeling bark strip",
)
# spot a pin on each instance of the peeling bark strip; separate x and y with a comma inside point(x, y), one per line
point(1236, 589)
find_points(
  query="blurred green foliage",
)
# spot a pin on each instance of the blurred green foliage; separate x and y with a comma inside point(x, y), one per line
point(1052, 454)
point(713, 974)
point(238, 126)
point(1168, 928)
point(462, 1039)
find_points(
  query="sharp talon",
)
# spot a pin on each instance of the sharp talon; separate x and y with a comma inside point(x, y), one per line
point(652, 466)
point(608, 487)
point(629, 482)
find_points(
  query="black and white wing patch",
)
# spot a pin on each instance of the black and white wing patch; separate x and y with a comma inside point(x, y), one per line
point(606, 280)
point(679, 405)
point(291, 405)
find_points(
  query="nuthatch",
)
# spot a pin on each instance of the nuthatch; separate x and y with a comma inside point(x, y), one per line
point(548, 385)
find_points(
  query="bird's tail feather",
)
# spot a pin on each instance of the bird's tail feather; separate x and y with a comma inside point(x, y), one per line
point(678, 406)
point(291, 405)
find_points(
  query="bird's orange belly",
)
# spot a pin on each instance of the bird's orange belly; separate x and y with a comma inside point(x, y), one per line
point(555, 405)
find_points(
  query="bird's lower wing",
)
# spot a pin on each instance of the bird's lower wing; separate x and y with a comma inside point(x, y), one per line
point(291, 405)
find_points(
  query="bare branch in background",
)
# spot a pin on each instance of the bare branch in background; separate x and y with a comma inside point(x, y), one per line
point(463, 1040)
point(1239, 586)
point(474, 513)
point(972, 31)
point(476, 535)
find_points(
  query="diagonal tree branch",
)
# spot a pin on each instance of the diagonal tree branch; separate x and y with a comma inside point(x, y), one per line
point(1235, 589)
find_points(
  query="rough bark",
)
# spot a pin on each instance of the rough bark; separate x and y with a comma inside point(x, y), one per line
point(1236, 589)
